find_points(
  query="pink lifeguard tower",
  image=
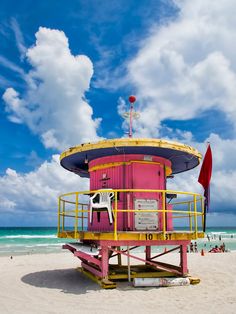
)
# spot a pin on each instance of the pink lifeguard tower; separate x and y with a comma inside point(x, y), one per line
point(129, 207)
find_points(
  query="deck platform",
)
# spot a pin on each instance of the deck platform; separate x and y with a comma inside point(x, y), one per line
point(131, 235)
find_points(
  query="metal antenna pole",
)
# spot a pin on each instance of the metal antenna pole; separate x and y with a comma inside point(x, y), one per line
point(131, 115)
point(132, 100)
point(130, 120)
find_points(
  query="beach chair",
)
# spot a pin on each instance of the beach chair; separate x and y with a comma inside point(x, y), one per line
point(101, 201)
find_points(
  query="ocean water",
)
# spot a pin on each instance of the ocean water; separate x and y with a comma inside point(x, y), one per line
point(29, 240)
point(218, 235)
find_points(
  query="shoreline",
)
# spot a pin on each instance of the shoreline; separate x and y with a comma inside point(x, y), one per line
point(62, 251)
point(20, 241)
point(59, 250)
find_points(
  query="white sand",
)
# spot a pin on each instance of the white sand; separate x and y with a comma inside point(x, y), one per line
point(50, 284)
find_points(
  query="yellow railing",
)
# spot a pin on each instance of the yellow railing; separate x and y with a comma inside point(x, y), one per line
point(76, 205)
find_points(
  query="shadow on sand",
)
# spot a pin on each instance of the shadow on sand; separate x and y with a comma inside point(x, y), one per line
point(67, 280)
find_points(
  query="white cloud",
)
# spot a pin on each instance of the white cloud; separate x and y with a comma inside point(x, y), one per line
point(37, 191)
point(13, 103)
point(7, 205)
point(12, 66)
point(187, 66)
point(223, 198)
point(4, 82)
point(19, 38)
point(54, 104)
point(182, 68)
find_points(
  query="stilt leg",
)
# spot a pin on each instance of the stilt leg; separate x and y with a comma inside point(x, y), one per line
point(148, 253)
point(128, 263)
point(105, 261)
point(119, 257)
point(183, 259)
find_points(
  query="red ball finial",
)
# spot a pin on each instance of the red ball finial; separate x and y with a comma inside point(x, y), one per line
point(132, 99)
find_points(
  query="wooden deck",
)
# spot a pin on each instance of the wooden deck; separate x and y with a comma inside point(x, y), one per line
point(132, 235)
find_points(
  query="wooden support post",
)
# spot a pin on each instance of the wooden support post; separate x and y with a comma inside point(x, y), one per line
point(119, 257)
point(104, 261)
point(148, 253)
point(128, 263)
point(183, 259)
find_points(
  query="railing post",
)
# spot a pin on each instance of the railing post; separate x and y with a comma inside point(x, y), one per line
point(76, 214)
point(164, 214)
point(203, 217)
point(59, 216)
point(190, 216)
point(195, 215)
point(63, 215)
point(82, 223)
point(115, 217)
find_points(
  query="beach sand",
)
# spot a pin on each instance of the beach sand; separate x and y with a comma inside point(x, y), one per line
point(49, 283)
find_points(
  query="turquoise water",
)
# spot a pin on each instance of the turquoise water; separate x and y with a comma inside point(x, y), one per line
point(18, 241)
point(217, 236)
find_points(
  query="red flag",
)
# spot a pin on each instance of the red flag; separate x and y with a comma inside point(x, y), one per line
point(205, 175)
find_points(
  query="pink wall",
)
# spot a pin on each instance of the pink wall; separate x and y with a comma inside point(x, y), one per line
point(130, 172)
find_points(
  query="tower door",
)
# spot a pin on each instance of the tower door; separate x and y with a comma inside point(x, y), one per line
point(146, 176)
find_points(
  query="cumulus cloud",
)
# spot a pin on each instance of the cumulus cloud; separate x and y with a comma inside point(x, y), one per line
point(177, 73)
point(183, 68)
point(187, 66)
point(223, 198)
point(37, 191)
point(54, 104)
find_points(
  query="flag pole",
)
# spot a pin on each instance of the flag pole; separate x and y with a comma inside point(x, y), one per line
point(205, 204)
point(204, 215)
point(204, 179)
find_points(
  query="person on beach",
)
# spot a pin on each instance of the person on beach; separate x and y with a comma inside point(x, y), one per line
point(222, 247)
point(195, 247)
point(215, 249)
point(191, 247)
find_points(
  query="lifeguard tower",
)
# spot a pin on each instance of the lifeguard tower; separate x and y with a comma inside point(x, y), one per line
point(129, 208)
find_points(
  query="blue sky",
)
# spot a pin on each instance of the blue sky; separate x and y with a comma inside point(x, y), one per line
point(67, 69)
